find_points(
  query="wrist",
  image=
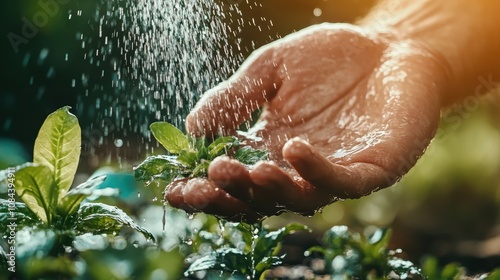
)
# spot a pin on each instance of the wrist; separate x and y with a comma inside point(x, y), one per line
point(463, 36)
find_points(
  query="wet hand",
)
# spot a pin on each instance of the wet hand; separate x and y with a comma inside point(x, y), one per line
point(345, 112)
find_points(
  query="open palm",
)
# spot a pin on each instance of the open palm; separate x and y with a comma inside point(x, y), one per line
point(343, 114)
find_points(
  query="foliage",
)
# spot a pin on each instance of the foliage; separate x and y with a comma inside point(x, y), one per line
point(190, 157)
point(432, 271)
point(49, 208)
point(352, 255)
point(245, 250)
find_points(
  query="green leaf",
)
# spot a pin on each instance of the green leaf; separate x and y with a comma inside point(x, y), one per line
point(58, 147)
point(158, 167)
point(170, 137)
point(494, 275)
point(189, 158)
point(17, 212)
point(51, 268)
point(200, 146)
point(267, 263)
point(221, 145)
point(316, 249)
point(250, 156)
point(99, 218)
point(35, 185)
point(201, 170)
point(432, 271)
point(223, 259)
point(71, 201)
point(265, 246)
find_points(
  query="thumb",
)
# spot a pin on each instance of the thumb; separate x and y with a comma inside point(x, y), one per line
point(222, 109)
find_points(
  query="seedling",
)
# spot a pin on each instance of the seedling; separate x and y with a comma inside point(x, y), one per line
point(254, 250)
point(44, 185)
point(53, 216)
point(354, 256)
point(190, 157)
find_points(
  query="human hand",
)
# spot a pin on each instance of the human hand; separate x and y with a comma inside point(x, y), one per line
point(345, 112)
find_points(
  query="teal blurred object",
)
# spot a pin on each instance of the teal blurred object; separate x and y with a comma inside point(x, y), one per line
point(123, 181)
point(12, 153)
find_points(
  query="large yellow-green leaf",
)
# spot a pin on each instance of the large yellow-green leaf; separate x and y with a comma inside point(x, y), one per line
point(35, 185)
point(170, 137)
point(58, 147)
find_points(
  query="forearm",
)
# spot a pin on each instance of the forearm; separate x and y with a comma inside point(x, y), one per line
point(464, 34)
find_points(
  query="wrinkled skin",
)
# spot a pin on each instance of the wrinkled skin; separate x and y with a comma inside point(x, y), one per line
point(345, 113)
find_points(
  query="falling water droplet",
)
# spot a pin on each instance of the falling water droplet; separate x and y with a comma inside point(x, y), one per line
point(119, 144)
point(164, 217)
point(317, 12)
point(44, 53)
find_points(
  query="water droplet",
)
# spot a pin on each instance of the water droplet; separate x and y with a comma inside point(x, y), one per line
point(164, 217)
point(26, 59)
point(317, 12)
point(119, 144)
point(44, 53)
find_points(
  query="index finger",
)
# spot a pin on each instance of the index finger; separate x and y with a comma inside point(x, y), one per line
point(222, 109)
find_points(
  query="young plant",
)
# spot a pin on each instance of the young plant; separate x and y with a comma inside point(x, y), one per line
point(354, 256)
point(44, 185)
point(432, 271)
point(246, 251)
point(190, 157)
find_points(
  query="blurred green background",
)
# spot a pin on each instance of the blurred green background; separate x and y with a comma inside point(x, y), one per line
point(447, 206)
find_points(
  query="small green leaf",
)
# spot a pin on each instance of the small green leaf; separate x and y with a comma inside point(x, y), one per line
point(224, 259)
point(35, 185)
point(170, 137)
point(250, 156)
point(99, 218)
point(71, 201)
point(58, 147)
point(51, 268)
point(494, 275)
point(267, 263)
point(201, 170)
point(158, 167)
point(18, 213)
point(221, 145)
point(189, 158)
point(316, 249)
point(200, 146)
point(265, 246)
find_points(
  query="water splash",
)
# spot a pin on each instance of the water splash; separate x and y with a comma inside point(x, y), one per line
point(151, 60)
